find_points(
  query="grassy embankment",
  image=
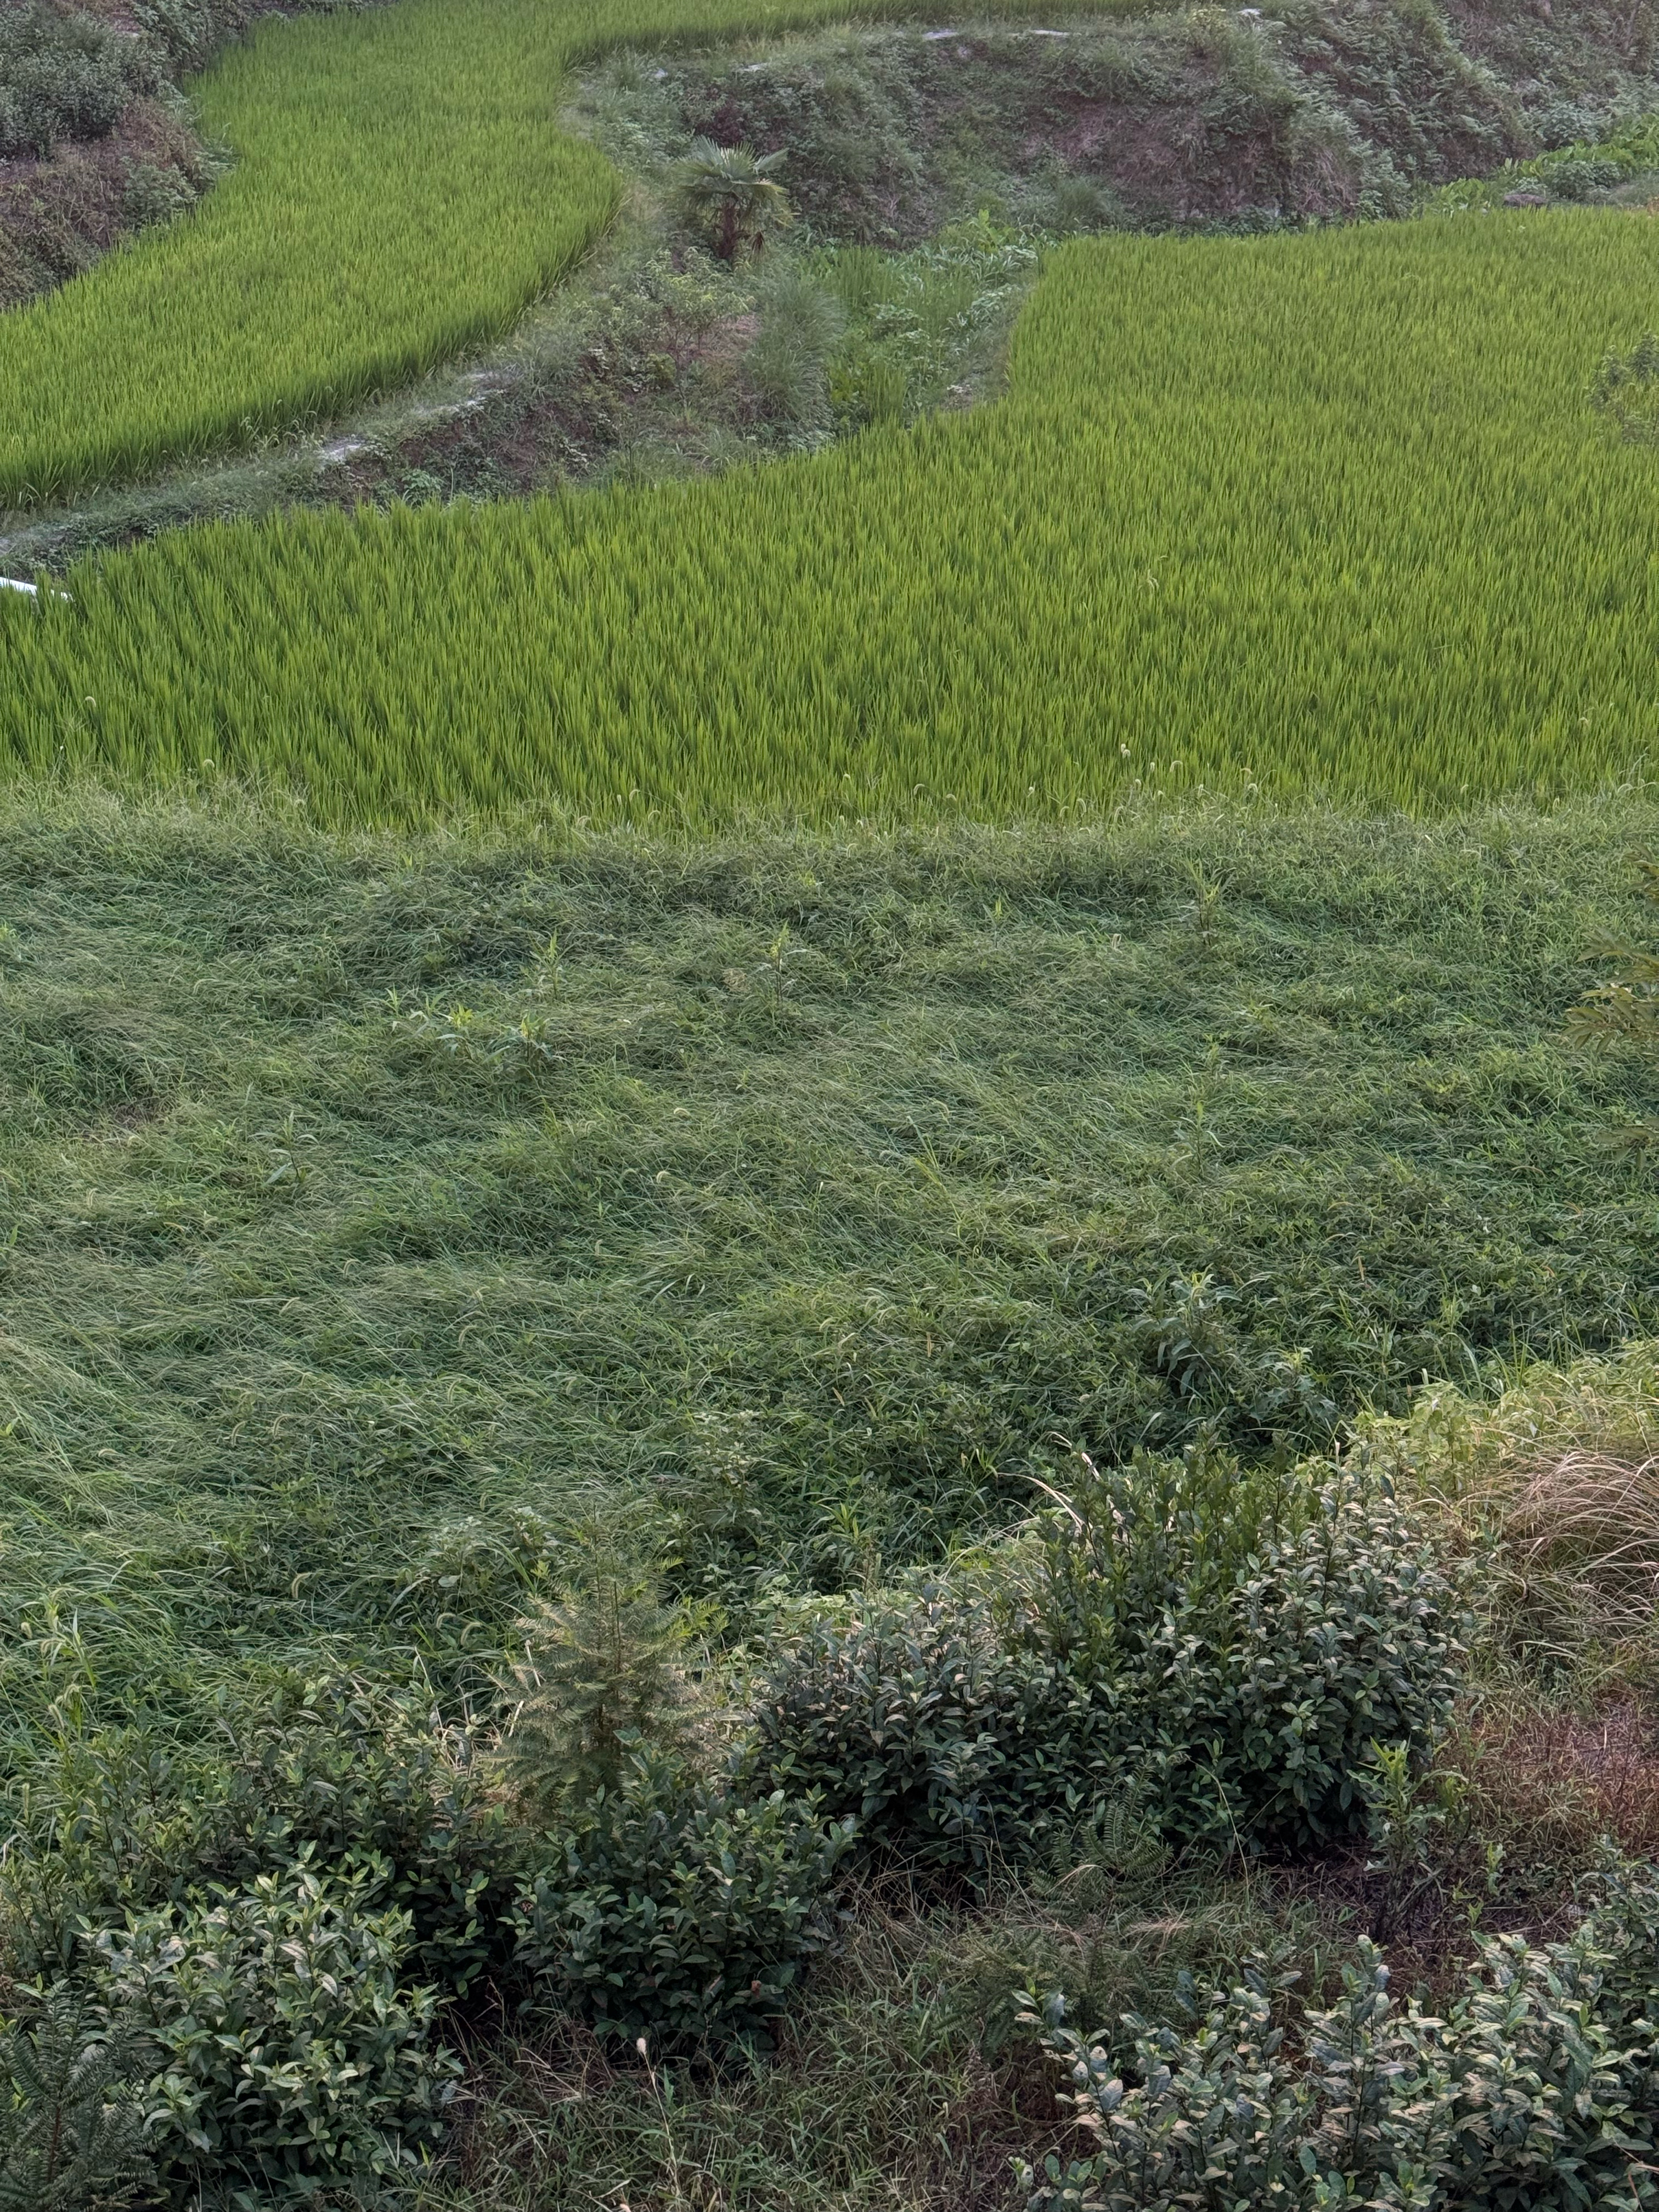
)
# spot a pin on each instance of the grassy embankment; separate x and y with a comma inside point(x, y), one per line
point(382, 1215)
point(374, 1210)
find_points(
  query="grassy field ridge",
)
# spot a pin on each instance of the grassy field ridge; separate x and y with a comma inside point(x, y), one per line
point(374, 1212)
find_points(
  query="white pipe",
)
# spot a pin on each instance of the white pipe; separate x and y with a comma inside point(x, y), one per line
point(11, 584)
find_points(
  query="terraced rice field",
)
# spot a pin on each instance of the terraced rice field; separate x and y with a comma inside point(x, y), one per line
point(402, 187)
point(1317, 513)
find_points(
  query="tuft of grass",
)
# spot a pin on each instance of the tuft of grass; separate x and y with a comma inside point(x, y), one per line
point(1554, 1487)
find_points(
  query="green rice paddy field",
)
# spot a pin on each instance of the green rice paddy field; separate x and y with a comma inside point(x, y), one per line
point(1321, 512)
point(402, 186)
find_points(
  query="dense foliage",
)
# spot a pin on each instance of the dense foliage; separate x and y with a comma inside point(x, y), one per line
point(1289, 539)
point(1537, 2087)
point(1230, 1647)
point(679, 1910)
point(285, 2051)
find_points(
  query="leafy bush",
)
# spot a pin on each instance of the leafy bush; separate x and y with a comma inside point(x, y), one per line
point(1234, 1644)
point(918, 1720)
point(1627, 388)
point(1256, 1635)
point(71, 2128)
point(371, 1776)
point(286, 2054)
point(189, 31)
point(328, 1768)
point(1537, 2088)
point(61, 76)
point(154, 193)
point(680, 1911)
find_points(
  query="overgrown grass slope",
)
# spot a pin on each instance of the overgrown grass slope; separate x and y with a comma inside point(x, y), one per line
point(370, 1215)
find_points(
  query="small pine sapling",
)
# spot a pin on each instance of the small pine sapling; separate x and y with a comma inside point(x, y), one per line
point(603, 1677)
point(70, 2129)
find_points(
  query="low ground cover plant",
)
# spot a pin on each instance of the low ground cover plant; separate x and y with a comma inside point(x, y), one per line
point(681, 1911)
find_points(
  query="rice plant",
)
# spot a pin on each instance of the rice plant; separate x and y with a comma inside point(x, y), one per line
point(1326, 513)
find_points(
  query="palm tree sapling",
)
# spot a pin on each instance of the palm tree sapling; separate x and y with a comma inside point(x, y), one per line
point(729, 194)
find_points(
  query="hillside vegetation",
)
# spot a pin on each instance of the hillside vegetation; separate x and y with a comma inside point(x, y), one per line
point(419, 1255)
point(399, 192)
point(829, 1375)
point(369, 1208)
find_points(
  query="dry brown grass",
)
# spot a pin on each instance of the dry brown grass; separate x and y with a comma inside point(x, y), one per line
point(1577, 1538)
point(1553, 1488)
point(1560, 1782)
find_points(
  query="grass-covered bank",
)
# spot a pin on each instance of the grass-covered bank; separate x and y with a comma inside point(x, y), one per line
point(375, 1210)
point(398, 1232)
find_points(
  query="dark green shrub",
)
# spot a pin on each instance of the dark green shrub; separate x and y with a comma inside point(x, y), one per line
point(190, 31)
point(285, 2053)
point(330, 1768)
point(945, 1741)
point(71, 2127)
point(1575, 177)
point(61, 76)
point(1254, 1637)
point(1537, 2088)
point(1233, 1645)
point(154, 193)
point(680, 1911)
point(372, 1777)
